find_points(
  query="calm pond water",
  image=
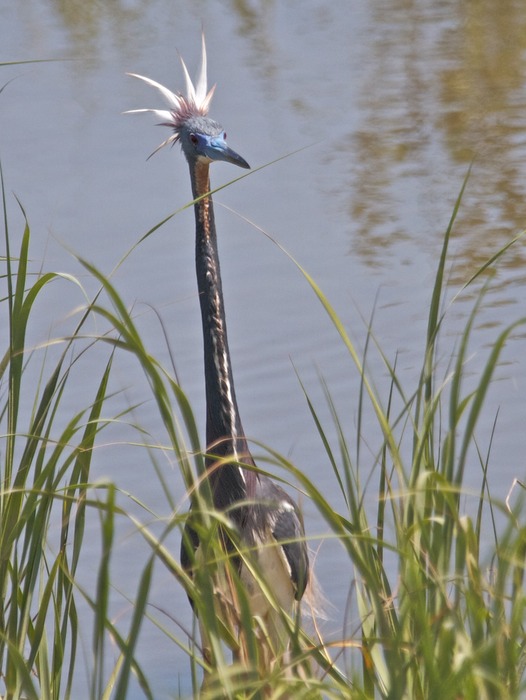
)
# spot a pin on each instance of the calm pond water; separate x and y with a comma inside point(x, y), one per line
point(382, 106)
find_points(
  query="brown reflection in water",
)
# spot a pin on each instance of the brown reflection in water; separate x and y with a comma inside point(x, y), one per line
point(483, 116)
point(444, 83)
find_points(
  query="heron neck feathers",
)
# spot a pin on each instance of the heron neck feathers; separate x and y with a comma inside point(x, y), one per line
point(224, 433)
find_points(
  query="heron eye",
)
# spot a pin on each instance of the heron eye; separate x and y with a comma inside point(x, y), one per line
point(194, 139)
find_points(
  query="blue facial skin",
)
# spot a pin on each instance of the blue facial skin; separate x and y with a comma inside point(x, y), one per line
point(216, 148)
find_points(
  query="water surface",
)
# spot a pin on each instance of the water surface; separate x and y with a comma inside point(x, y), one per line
point(381, 107)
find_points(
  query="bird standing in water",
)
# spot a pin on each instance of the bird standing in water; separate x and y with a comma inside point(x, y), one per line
point(264, 515)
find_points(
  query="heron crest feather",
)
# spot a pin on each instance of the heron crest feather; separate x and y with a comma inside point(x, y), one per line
point(195, 103)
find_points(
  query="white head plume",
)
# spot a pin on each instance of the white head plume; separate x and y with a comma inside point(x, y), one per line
point(196, 102)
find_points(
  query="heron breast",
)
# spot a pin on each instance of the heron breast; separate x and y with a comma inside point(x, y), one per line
point(274, 568)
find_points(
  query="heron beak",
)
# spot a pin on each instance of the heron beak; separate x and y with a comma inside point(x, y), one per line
point(218, 149)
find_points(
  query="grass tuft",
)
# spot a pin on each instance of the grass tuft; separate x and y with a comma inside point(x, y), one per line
point(437, 600)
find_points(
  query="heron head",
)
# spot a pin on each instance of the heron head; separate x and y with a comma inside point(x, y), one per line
point(200, 137)
point(204, 139)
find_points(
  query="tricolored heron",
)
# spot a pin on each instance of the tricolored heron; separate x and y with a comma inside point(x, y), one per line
point(265, 516)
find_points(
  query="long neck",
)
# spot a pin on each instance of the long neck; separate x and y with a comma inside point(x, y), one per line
point(224, 432)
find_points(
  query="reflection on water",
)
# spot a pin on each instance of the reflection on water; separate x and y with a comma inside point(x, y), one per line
point(444, 85)
point(426, 89)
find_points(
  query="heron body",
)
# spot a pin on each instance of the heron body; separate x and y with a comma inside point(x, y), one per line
point(265, 516)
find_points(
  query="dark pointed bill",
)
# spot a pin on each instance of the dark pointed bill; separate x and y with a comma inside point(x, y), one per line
point(217, 149)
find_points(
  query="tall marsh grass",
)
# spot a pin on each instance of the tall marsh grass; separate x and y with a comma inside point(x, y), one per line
point(437, 596)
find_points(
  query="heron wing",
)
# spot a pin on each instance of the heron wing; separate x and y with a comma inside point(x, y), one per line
point(288, 531)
